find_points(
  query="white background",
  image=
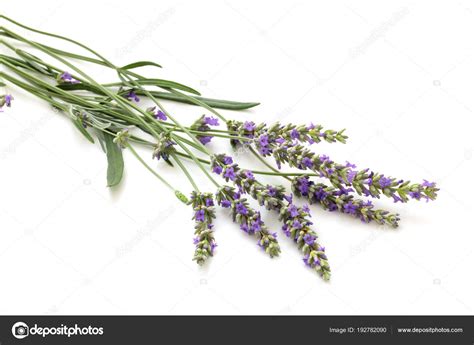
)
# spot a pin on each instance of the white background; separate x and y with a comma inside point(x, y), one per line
point(399, 76)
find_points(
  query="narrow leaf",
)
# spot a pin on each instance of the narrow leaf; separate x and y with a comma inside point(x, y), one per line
point(114, 160)
point(214, 103)
point(141, 64)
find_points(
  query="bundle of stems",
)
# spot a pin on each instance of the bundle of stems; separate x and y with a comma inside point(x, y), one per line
point(111, 113)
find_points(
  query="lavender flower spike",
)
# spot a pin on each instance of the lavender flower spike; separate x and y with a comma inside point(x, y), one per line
point(295, 225)
point(333, 199)
point(204, 213)
point(364, 182)
point(277, 132)
point(250, 220)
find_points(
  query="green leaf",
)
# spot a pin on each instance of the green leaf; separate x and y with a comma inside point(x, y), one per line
point(214, 103)
point(167, 84)
point(114, 160)
point(141, 64)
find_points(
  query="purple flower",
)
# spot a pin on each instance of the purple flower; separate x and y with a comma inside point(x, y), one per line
point(332, 207)
point(297, 224)
point(351, 175)
point(367, 203)
point(396, 198)
point(8, 100)
point(213, 246)
point(294, 134)
point(227, 160)
point(200, 216)
point(204, 139)
point(67, 78)
point(217, 169)
point(229, 173)
point(428, 184)
point(343, 191)
point(289, 198)
point(350, 165)
point(263, 140)
point(209, 202)
point(286, 230)
point(415, 195)
point(293, 211)
point(256, 225)
point(211, 121)
point(244, 227)
point(303, 186)
point(196, 240)
point(307, 162)
point(240, 208)
point(226, 203)
point(249, 175)
point(5, 100)
point(280, 140)
point(320, 194)
point(324, 158)
point(309, 239)
point(264, 150)
point(310, 126)
point(131, 95)
point(306, 209)
point(271, 191)
point(160, 115)
point(384, 182)
point(249, 126)
point(350, 208)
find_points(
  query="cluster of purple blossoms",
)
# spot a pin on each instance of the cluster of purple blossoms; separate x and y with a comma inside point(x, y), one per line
point(164, 147)
point(132, 96)
point(204, 213)
point(157, 114)
point(335, 199)
point(66, 78)
point(5, 100)
point(296, 223)
point(364, 182)
point(203, 125)
point(278, 133)
point(249, 219)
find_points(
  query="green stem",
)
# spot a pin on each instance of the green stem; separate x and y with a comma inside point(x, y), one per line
point(132, 150)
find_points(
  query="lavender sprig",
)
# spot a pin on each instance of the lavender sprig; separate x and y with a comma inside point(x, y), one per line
point(277, 132)
point(334, 199)
point(365, 182)
point(204, 213)
point(249, 219)
point(295, 219)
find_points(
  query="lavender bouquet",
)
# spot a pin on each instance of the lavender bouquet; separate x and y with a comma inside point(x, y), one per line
point(111, 113)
